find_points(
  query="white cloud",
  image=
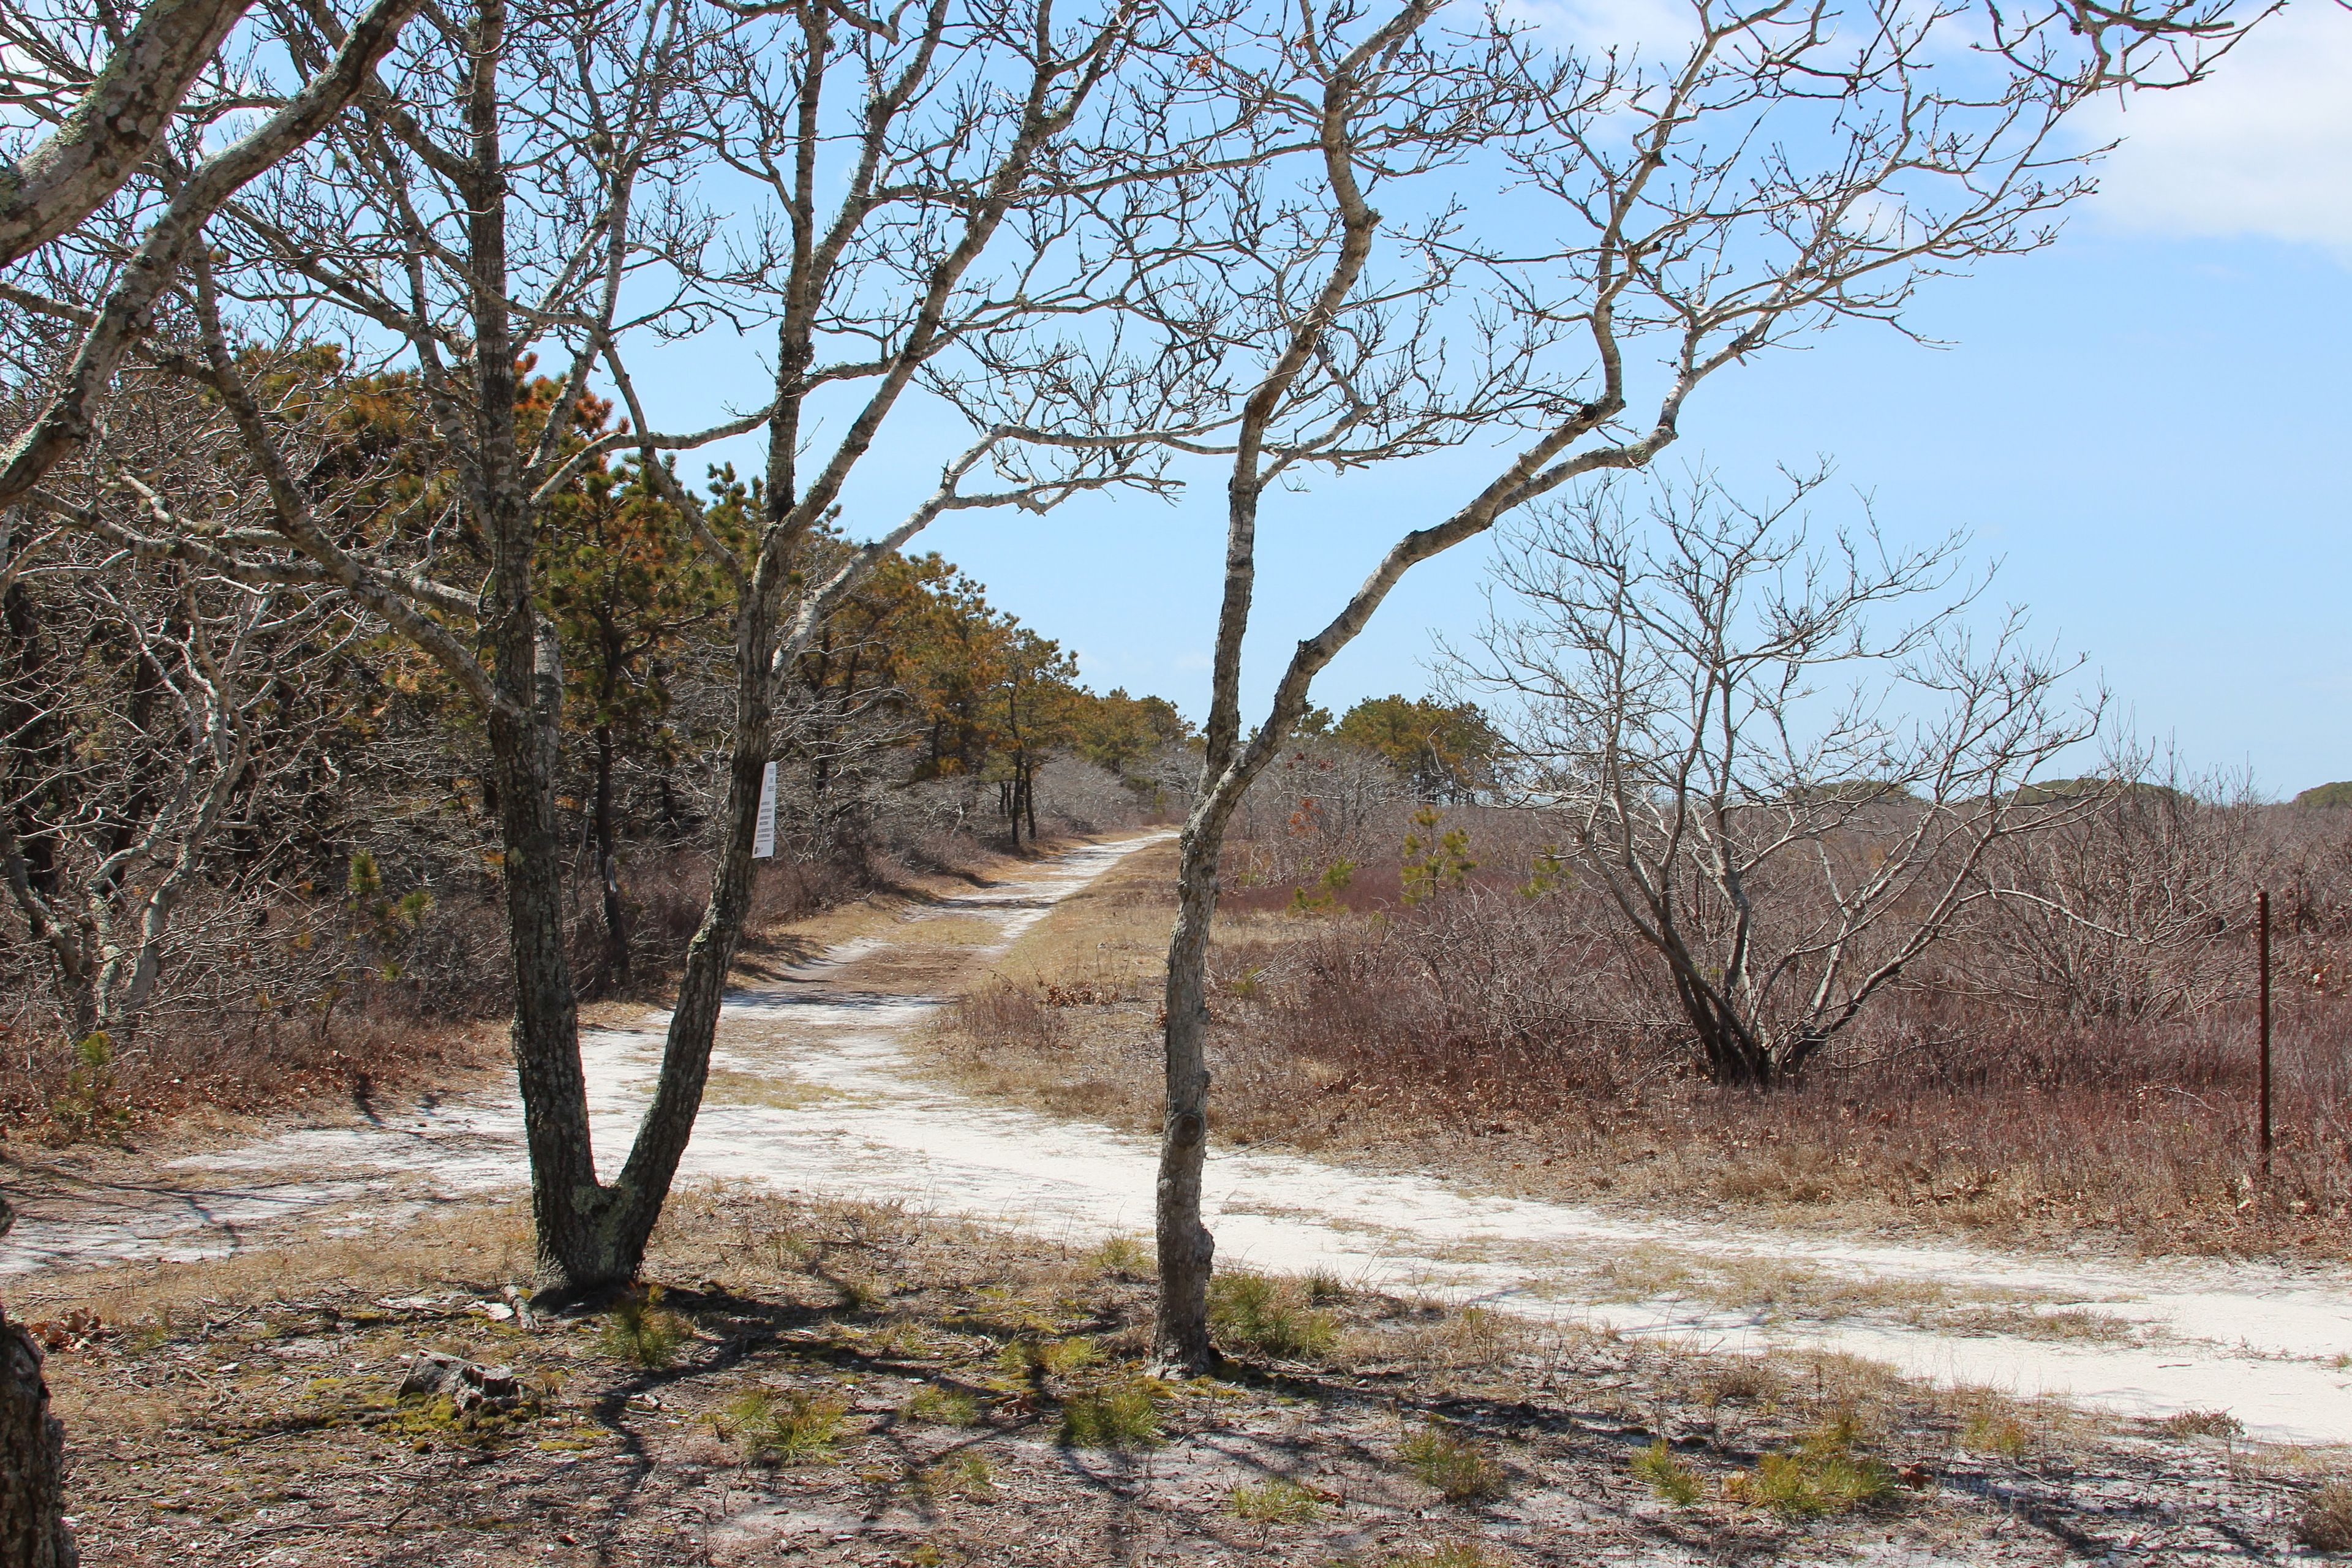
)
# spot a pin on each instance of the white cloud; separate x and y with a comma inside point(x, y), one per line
point(2262, 148)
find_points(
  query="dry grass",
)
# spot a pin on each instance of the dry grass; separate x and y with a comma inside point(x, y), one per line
point(218, 1402)
point(1336, 1035)
point(1106, 942)
point(773, 1088)
point(2326, 1523)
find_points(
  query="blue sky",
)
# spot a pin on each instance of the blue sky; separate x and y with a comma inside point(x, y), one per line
point(2147, 424)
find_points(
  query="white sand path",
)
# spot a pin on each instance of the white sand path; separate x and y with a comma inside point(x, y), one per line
point(848, 1116)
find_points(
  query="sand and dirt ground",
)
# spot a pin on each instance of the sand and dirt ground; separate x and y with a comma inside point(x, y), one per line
point(815, 1099)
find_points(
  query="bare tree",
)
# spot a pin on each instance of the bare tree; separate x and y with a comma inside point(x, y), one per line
point(103, 123)
point(147, 717)
point(1787, 167)
point(501, 194)
point(524, 183)
point(987, 175)
point(1788, 800)
point(129, 277)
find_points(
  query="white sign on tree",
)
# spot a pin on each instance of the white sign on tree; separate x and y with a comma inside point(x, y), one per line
point(764, 835)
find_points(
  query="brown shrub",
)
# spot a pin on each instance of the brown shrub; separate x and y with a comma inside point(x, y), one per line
point(1531, 1021)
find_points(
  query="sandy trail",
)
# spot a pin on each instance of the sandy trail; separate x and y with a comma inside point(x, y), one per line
point(811, 1092)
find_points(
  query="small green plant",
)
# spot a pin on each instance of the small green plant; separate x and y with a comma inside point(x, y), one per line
point(958, 1475)
point(1333, 882)
point(859, 1294)
point(1750, 1380)
point(1455, 1467)
point(795, 1428)
point(2326, 1521)
point(1322, 1287)
point(1039, 1359)
point(1434, 861)
point(1268, 1316)
point(90, 1101)
point(1122, 1258)
point(1824, 1476)
point(1275, 1501)
point(1549, 872)
point(2203, 1424)
point(1995, 1432)
point(639, 1329)
point(1666, 1475)
point(932, 1406)
point(1116, 1415)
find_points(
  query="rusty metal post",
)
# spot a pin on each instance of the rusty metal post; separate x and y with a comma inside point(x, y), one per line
point(2262, 923)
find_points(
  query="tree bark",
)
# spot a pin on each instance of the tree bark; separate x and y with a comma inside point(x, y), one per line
point(662, 1137)
point(33, 1533)
point(33, 1529)
point(608, 869)
point(526, 677)
point(1179, 1330)
point(71, 171)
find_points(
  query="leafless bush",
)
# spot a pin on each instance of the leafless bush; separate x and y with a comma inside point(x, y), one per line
point(1787, 849)
point(2137, 909)
point(1321, 808)
point(1076, 796)
point(1485, 1013)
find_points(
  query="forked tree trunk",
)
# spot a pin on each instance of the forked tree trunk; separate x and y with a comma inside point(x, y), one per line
point(644, 1183)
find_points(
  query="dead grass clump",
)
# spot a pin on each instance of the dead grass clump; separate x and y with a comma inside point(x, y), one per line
point(2325, 1524)
point(1000, 1015)
point(1749, 1379)
point(1443, 1554)
point(2203, 1424)
point(1456, 1338)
